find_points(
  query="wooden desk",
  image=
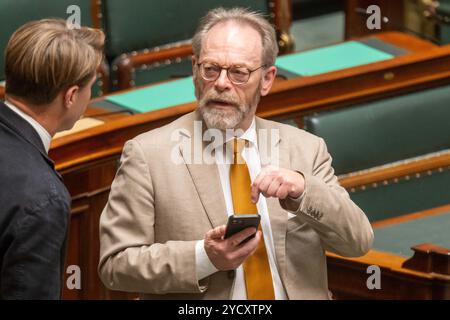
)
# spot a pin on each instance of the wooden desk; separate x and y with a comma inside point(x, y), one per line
point(299, 96)
point(293, 94)
point(88, 159)
point(2, 92)
point(426, 275)
point(424, 65)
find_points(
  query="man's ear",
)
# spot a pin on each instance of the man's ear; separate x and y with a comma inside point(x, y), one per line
point(70, 96)
point(268, 79)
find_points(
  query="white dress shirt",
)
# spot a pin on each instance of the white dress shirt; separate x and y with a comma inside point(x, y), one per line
point(43, 134)
point(204, 264)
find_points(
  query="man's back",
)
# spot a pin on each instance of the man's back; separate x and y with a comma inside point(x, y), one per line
point(33, 216)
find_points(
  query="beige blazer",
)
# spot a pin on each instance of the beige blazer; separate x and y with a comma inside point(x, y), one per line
point(157, 210)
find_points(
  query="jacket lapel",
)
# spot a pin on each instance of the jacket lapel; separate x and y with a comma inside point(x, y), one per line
point(278, 216)
point(205, 176)
point(24, 130)
point(207, 183)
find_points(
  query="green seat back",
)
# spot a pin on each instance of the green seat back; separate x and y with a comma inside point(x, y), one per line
point(14, 13)
point(417, 193)
point(138, 24)
point(385, 131)
point(163, 72)
point(174, 20)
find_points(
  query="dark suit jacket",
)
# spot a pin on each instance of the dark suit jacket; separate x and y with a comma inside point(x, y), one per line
point(34, 214)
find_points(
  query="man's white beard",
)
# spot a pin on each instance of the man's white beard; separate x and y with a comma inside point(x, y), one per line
point(222, 119)
point(219, 118)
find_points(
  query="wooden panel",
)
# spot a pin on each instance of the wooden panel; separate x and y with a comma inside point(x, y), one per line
point(89, 186)
point(77, 253)
point(94, 288)
point(384, 174)
point(429, 258)
point(347, 279)
point(282, 19)
point(96, 13)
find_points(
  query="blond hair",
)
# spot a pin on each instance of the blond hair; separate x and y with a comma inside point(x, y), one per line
point(244, 16)
point(45, 57)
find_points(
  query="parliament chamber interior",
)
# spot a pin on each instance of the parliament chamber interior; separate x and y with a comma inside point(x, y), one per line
point(379, 97)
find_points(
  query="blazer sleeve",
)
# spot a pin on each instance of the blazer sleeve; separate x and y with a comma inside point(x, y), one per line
point(130, 259)
point(326, 206)
point(32, 267)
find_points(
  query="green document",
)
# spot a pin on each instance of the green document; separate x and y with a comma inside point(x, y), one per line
point(331, 58)
point(156, 97)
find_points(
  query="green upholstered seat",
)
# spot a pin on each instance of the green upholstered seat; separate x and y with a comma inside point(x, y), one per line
point(387, 131)
point(176, 69)
point(139, 24)
point(145, 25)
point(384, 131)
point(14, 13)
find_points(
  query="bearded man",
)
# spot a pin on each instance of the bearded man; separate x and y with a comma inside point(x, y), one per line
point(162, 231)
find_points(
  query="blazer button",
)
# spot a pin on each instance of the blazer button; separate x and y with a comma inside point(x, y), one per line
point(231, 274)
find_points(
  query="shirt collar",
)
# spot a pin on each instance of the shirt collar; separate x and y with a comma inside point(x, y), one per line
point(249, 135)
point(43, 134)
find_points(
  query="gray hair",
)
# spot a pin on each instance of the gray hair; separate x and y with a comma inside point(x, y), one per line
point(240, 15)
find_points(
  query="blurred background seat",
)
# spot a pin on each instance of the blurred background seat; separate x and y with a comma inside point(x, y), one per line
point(151, 47)
point(15, 13)
point(387, 133)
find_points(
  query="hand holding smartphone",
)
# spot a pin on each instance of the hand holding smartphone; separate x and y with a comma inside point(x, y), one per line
point(237, 223)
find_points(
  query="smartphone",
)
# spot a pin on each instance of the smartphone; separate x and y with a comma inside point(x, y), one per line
point(240, 222)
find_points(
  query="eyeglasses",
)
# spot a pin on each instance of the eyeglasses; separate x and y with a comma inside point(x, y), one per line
point(237, 75)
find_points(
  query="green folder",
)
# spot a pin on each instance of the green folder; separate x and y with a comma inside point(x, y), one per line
point(331, 58)
point(156, 97)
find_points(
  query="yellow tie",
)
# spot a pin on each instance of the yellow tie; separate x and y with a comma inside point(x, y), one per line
point(258, 277)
